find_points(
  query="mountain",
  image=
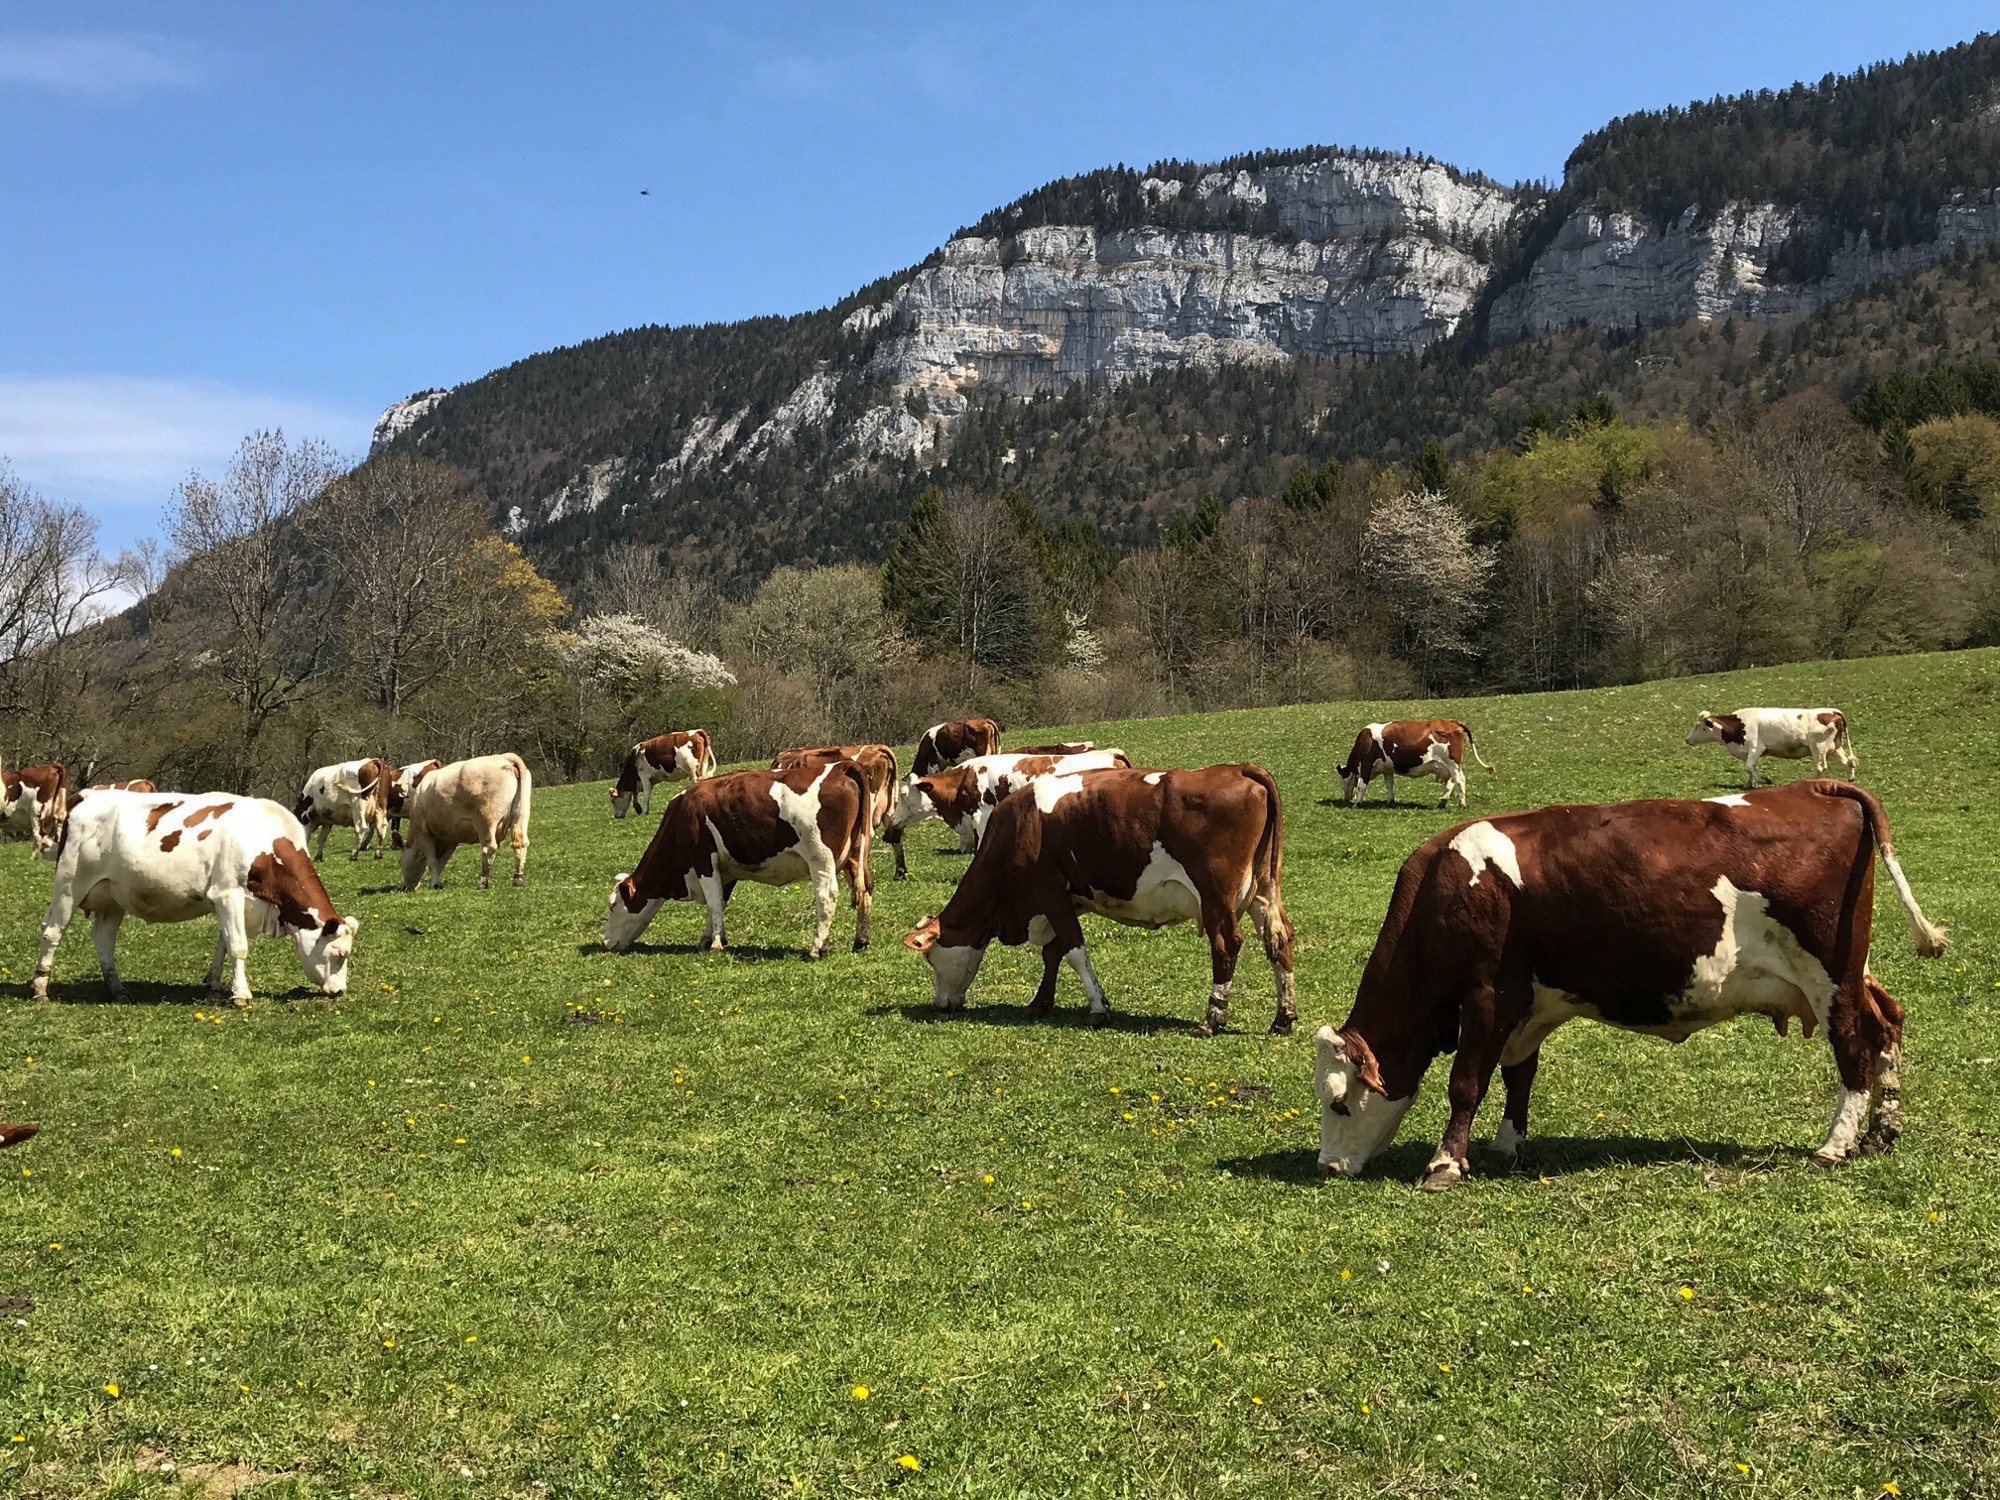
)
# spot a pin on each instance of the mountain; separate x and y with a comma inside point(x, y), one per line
point(1282, 288)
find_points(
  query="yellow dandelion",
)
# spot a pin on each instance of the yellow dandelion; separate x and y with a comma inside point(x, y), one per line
point(1026, 1204)
point(1215, 1343)
point(111, 1388)
point(987, 1179)
point(1687, 1294)
point(1345, 1274)
point(1743, 1468)
point(1256, 1400)
point(909, 1461)
point(388, 1343)
point(526, 1058)
point(1934, 1217)
point(1527, 1291)
point(27, 1171)
point(244, 1388)
point(1888, 1487)
point(18, 1438)
point(1365, 1408)
point(472, 1338)
point(860, 1393)
point(55, 1244)
point(1445, 1368)
point(1128, 1115)
point(175, 1152)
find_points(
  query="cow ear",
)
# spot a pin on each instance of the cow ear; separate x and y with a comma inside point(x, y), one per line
point(1363, 1057)
point(921, 938)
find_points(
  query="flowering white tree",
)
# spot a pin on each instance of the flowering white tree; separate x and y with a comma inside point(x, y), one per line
point(623, 655)
point(1418, 553)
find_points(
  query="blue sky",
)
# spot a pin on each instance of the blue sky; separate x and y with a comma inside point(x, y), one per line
point(220, 216)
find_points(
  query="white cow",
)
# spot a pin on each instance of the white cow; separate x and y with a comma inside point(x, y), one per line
point(164, 857)
point(1750, 734)
point(355, 792)
point(468, 802)
point(401, 785)
point(965, 795)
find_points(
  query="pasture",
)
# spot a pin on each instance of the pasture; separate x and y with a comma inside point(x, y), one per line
point(519, 1218)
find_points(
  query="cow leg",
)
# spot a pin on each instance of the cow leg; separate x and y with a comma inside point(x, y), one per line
point(213, 979)
point(1225, 941)
point(440, 855)
point(519, 842)
point(1389, 786)
point(1479, 1039)
point(826, 896)
point(895, 841)
point(488, 847)
point(1519, 1080)
point(1458, 782)
point(362, 828)
point(1750, 771)
point(322, 830)
point(1275, 929)
point(861, 891)
point(1045, 992)
point(104, 937)
point(235, 940)
point(714, 898)
point(55, 922)
point(1077, 959)
point(1886, 1126)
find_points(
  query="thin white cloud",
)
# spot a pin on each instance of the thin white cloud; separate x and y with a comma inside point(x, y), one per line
point(103, 67)
point(118, 445)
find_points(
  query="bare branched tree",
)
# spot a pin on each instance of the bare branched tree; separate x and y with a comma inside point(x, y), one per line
point(245, 575)
point(53, 583)
point(1419, 553)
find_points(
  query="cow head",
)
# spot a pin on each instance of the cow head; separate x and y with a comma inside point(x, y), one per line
point(626, 915)
point(953, 968)
point(303, 808)
point(913, 804)
point(1351, 784)
point(1706, 731)
point(1356, 1117)
point(324, 950)
point(625, 790)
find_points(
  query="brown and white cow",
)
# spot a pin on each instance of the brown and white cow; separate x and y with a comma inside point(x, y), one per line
point(1662, 917)
point(401, 785)
point(880, 768)
point(1409, 747)
point(1750, 734)
point(807, 823)
point(954, 740)
point(172, 858)
point(13, 1135)
point(35, 803)
point(351, 792)
point(684, 755)
point(964, 796)
point(1144, 848)
point(472, 801)
point(137, 784)
point(1075, 747)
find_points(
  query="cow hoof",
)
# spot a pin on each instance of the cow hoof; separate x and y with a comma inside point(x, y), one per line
point(1040, 1008)
point(41, 988)
point(117, 992)
point(519, 881)
point(241, 1002)
point(1099, 1019)
point(1283, 1025)
point(484, 884)
point(1328, 1169)
point(861, 945)
point(812, 955)
point(1441, 1175)
point(1878, 1141)
point(1825, 1159)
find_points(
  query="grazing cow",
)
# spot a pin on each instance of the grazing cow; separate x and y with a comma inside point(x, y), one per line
point(1662, 917)
point(35, 804)
point(1409, 747)
point(879, 767)
point(401, 785)
point(1145, 848)
point(468, 802)
point(684, 755)
point(965, 795)
point(355, 792)
point(1750, 734)
point(953, 741)
point(172, 858)
point(809, 822)
point(1078, 747)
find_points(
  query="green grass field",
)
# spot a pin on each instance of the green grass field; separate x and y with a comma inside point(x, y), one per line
point(765, 1228)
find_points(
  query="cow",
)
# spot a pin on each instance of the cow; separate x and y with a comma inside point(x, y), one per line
point(468, 802)
point(1144, 848)
point(809, 822)
point(684, 755)
point(1076, 747)
point(355, 792)
point(35, 803)
point(1662, 917)
point(1409, 747)
point(953, 741)
point(13, 1135)
point(400, 786)
point(1750, 734)
point(879, 767)
point(965, 795)
point(166, 857)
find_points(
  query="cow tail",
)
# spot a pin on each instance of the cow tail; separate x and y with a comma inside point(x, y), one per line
point(1928, 937)
point(705, 761)
point(860, 837)
point(1484, 763)
point(1267, 864)
point(524, 796)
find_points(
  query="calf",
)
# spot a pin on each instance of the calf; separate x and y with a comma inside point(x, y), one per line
point(172, 858)
point(1409, 747)
point(35, 803)
point(808, 822)
point(964, 796)
point(1145, 848)
point(1750, 734)
point(955, 740)
point(354, 792)
point(879, 767)
point(684, 755)
point(468, 802)
point(401, 785)
point(1661, 917)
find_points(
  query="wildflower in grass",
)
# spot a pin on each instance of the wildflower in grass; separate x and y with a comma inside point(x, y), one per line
point(18, 1438)
point(27, 1171)
point(1527, 1291)
point(388, 1343)
point(1888, 1488)
point(860, 1393)
point(1345, 1274)
point(1127, 1115)
point(472, 1338)
point(1934, 1217)
point(909, 1461)
point(1365, 1409)
point(1026, 1204)
point(111, 1389)
point(175, 1152)
point(526, 1058)
point(1743, 1468)
point(1256, 1400)
point(1445, 1368)
point(1687, 1294)
point(55, 1244)
point(459, 1142)
point(987, 1179)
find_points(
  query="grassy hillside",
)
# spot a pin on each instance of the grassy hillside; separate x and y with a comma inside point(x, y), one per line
point(766, 1228)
